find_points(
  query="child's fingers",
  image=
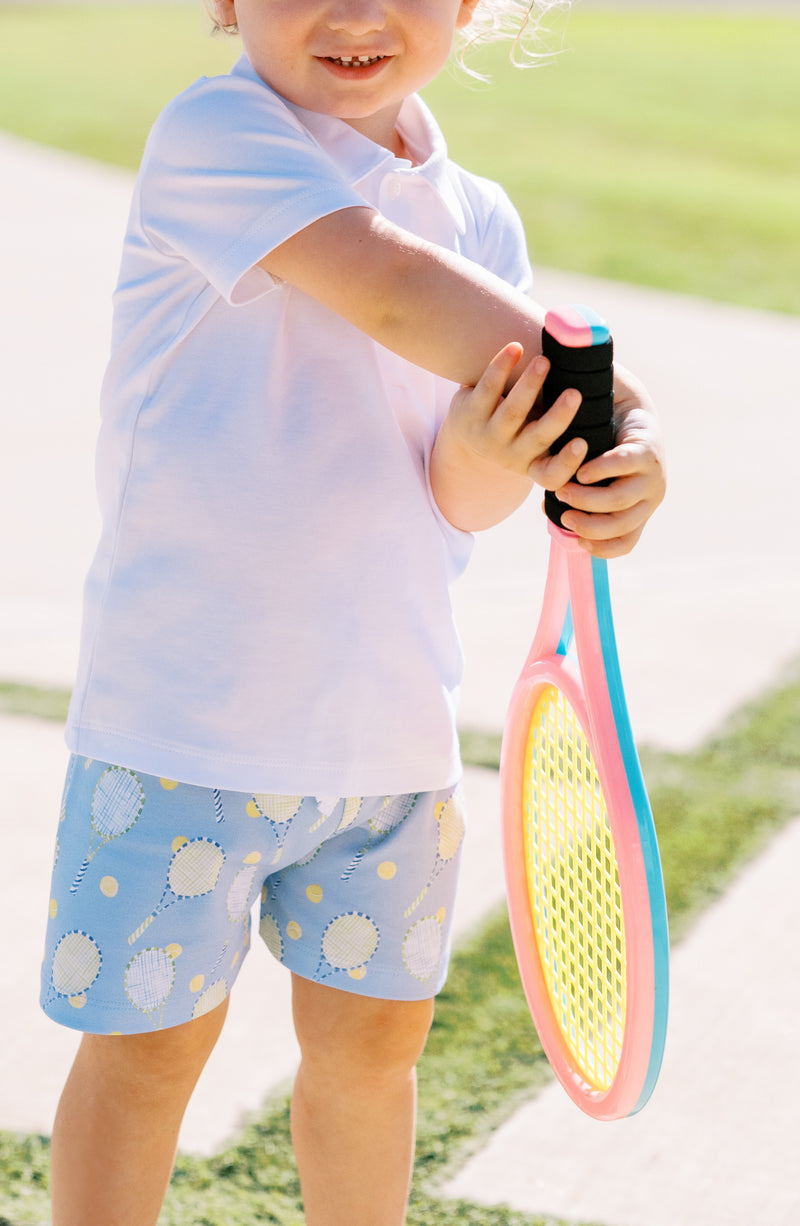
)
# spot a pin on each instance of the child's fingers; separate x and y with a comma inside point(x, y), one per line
point(622, 493)
point(514, 411)
point(615, 547)
point(489, 389)
point(633, 476)
point(554, 471)
point(538, 436)
point(513, 417)
point(605, 525)
point(621, 461)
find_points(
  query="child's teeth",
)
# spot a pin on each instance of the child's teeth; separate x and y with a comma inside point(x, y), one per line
point(357, 59)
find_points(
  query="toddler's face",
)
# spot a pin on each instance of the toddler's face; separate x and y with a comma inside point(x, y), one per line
point(353, 59)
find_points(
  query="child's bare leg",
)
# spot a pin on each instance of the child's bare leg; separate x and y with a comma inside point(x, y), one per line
point(354, 1103)
point(116, 1128)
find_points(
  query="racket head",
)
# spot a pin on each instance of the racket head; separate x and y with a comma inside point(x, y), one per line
point(149, 979)
point(349, 941)
point(76, 964)
point(117, 802)
point(194, 868)
point(579, 843)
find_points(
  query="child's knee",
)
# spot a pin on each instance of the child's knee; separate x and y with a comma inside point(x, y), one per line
point(357, 1035)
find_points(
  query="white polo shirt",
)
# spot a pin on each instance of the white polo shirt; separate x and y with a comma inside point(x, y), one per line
point(268, 609)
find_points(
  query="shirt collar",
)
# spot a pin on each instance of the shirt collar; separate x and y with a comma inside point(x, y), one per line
point(360, 158)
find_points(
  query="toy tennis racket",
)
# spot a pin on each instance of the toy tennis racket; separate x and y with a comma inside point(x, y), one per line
point(450, 822)
point(193, 871)
point(149, 979)
point(117, 804)
point(585, 890)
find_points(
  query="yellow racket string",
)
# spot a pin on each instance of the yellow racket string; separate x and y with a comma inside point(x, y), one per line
point(573, 887)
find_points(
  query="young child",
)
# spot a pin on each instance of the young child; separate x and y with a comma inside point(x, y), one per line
point(289, 476)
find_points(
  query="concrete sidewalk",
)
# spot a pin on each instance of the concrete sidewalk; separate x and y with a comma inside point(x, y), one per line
point(705, 607)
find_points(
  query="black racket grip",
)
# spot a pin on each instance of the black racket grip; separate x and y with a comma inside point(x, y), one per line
point(588, 366)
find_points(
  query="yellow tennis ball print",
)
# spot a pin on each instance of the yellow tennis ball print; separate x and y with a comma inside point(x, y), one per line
point(109, 886)
point(314, 893)
point(197, 984)
point(293, 930)
point(392, 813)
point(168, 785)
point(386, 870)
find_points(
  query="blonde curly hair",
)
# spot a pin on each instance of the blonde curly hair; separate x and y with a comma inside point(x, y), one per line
point(522, 22)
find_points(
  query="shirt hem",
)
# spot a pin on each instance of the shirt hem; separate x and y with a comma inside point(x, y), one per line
point(205, 768)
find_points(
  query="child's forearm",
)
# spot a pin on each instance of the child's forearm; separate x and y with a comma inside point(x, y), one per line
point(436, 309)
point(449, 316)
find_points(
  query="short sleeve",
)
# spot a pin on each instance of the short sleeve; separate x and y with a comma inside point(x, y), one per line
point(504, 245)
point(228, 174)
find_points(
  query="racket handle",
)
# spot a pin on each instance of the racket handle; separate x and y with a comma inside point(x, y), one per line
point(581, 353)
point(73, 889)
point(134, 937)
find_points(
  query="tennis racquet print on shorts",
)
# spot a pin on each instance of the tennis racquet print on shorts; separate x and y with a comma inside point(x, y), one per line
point(151, 907)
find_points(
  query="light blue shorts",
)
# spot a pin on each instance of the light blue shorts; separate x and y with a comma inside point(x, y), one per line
point(154, 882)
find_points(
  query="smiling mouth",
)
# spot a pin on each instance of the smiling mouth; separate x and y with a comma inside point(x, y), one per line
point(354, 62)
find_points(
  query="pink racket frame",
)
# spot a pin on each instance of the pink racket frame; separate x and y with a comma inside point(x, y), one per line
point(571, 587)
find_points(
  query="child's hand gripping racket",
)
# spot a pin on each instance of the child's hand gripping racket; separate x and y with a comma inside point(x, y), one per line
point(585, 891)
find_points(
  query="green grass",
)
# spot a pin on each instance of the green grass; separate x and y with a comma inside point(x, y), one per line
point(43, 703)
point(660, 148)
point(714, 808)
point(91, 79)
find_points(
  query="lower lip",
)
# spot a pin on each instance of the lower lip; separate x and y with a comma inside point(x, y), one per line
point(355, 74)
